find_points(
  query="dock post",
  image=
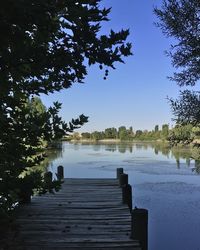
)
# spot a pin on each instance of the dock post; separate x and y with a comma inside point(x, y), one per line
point(48, 178)
point(123, 180)
point(25, 192)
point(119, 172)
point(25, 198)
point(139, 226)
point(127, 195)
point(60, 172)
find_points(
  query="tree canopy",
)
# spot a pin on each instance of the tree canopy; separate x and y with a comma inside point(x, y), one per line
point(186, 109)
point(127, 134)
point(45, 46)
point(180, 20)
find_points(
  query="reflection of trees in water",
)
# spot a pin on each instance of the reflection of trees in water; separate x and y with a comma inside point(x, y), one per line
point(178, 163)
point(182, 153)
point(76, 146)
point(97, 147)
point(145, 146)
point(195, 153)
point(139, 145)
point(111, 147)
point(196, 156)
point(122, 148)
point(162, 148)
point(197, 166)
point(186, 153)
point(188, 161)
point(50, 155)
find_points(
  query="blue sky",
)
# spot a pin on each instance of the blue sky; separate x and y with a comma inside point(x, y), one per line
point(135, 93)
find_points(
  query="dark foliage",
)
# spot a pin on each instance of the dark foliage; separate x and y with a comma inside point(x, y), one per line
point(45, 46)
point(180, 20)
point(186, 109)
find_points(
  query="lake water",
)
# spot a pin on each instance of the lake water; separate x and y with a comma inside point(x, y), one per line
point(164, 182)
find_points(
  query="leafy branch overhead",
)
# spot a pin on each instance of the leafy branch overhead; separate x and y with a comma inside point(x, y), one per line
point(56, 127)
point(180, 19)
point(186, 109)
point(47, 45)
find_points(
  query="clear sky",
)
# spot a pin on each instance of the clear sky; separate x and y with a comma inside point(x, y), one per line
point(135, 93)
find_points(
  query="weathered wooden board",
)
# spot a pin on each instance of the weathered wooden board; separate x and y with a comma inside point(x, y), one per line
point(86, 214)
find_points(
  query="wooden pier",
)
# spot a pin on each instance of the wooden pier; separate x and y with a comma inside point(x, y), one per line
point(85, 214)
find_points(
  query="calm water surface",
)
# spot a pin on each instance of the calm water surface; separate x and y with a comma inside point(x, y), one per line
point(163, 181)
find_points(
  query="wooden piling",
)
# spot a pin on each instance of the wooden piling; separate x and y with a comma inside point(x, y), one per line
point(139, 226)
point(60, 172)
point(123, 180)
point(127, 195)
point(48, 178)
point(25, 198)
point(119, 172)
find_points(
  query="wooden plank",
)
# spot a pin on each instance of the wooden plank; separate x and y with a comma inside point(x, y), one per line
point(85, 214)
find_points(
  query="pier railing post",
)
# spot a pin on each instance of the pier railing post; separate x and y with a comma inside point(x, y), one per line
point(139, 226)
point(127, 195)
point(60, 172)
point(123, 180)
point(25, 198)
point(48, 178)
point(119, 172)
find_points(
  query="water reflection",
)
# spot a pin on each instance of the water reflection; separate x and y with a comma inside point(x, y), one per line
point(111, 147)
point(52, 153)
point(180, 154)
point(197, 166)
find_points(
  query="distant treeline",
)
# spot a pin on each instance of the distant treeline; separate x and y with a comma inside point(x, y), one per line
point(180, 134)
point(123, 133)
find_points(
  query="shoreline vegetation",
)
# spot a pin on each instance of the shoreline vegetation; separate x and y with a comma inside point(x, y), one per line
point(112, 140)
point(178, 135)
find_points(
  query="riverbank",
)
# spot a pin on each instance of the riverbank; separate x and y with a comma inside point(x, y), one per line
point(195, 142)
point(114, 141)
